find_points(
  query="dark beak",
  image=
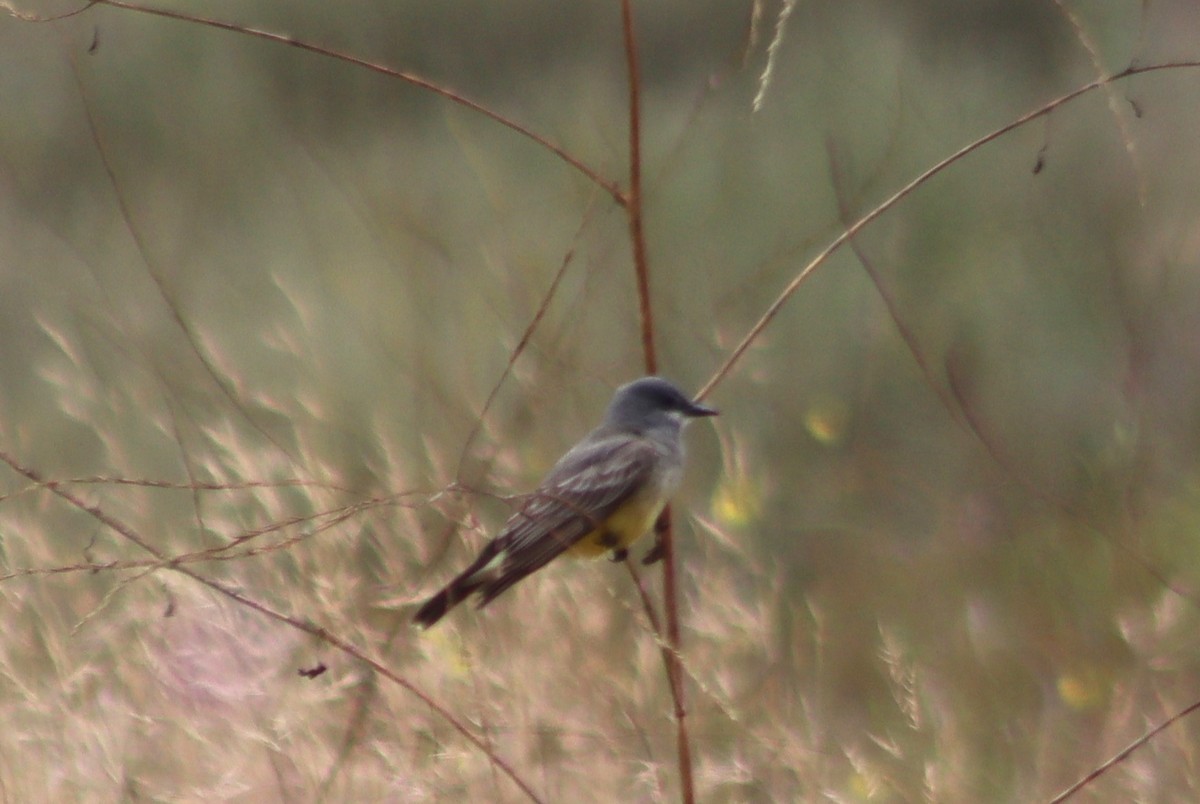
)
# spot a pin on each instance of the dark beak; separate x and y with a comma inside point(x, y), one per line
point(695, 409)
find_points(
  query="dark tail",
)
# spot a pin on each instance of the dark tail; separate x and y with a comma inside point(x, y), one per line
point(474, 579)
point(467, 583)
point(436, 607)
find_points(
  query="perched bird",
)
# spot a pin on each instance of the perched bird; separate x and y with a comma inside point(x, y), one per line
point(601, 496)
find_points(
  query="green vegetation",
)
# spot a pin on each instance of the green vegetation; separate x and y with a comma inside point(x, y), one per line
point(942, 544)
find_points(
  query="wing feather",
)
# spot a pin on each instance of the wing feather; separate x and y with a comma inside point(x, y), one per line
point(582, 491)
point(579, 494)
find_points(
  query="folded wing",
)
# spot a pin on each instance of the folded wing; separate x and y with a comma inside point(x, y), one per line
point(580, 493)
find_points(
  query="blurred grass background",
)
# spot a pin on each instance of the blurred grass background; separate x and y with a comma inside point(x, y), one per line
point(297, 269)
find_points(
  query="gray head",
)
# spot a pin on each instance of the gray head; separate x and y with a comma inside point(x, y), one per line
point(652, 402)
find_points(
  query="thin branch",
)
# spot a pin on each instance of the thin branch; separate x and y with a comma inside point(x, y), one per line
point(846, 236)
point(955, 376)
point(213, 554)
point(189, 335)
point(666, 544)
point(201, 485)
point(647, 604)
point(128, 533)
point(86, 567)
point(523, 343)
point(885, 293)
point(609, 186)
point(633, 198)
point(665, 536)
point(1124, 754)
point(672, 662)
point(956, 402)
point(27, 17)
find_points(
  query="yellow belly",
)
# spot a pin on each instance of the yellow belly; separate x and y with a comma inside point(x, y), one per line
point(631, 521)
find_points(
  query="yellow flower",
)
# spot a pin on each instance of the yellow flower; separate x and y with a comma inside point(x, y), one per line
point(1083, 688)
point(826, 420)
point(737, 501)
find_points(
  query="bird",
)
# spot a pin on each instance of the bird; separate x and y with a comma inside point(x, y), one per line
point(602, 495)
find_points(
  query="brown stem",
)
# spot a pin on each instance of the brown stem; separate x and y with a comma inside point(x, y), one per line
point(851, 231)
point(665, 543)
point(608, 185)
point(1124, 754)
point(128, 533)
point(633, 196)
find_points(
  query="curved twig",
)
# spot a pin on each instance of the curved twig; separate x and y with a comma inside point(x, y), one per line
point(906, 190)
point(609, 186)
point(1124, 753)
point(127, 532)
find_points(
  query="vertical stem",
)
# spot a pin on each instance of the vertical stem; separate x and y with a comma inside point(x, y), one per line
point(683, 747)
point(641, 268)
point(633, 197)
